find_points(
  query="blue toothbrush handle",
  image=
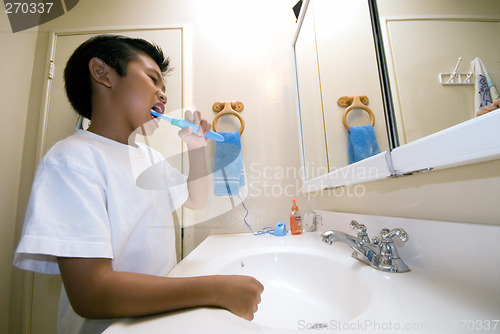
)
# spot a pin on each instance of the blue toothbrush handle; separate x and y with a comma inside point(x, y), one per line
point(214, 136)
point(182, 123)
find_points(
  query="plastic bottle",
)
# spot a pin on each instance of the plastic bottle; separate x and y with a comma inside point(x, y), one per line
point(295, 219)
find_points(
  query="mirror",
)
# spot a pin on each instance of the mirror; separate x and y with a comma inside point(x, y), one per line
point(423, 42)
point(435, 123)
point(335, 57)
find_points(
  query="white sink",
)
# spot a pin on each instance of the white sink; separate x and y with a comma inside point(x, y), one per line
point(300, 285)
point(311, 286)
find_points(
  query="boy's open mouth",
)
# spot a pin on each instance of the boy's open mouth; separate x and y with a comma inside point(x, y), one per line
point(159, 108)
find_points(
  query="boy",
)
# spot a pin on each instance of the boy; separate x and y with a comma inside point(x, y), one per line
point(93, 219)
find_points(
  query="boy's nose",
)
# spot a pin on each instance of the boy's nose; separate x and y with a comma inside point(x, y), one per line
point(162, 97)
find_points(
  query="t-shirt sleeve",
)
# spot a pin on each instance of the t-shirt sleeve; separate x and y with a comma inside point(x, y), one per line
point(66, 217)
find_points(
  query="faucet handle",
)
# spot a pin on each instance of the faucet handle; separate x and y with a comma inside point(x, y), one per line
point(362, 235)
point(358, 226)
point(387, 234)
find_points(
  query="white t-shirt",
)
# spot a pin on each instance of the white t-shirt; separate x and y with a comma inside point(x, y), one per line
point(95, 197)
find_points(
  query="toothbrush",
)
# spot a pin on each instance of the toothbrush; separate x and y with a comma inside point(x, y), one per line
point(181, 123)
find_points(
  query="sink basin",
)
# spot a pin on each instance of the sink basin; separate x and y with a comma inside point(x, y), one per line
point(307, 287)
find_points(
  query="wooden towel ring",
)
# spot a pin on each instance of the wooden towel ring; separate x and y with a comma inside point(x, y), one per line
point(228, 108)
point(354, 102)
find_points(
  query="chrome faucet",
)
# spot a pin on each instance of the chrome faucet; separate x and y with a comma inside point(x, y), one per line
point(380, 254)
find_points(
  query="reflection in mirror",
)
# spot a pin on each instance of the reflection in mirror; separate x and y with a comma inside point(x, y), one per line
point(437, 124)
point(335, 57)
point(426, 38)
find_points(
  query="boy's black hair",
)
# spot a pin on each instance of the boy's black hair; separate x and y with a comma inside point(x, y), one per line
point(116, 51)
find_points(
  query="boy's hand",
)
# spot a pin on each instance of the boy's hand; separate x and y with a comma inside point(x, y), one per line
point(239, 295)
point(195, 140)
point(495, 105)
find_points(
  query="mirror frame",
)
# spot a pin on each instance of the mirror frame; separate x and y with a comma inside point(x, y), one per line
point(473, 141)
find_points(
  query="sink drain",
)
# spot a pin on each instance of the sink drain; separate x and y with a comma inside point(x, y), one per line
point(318, 326)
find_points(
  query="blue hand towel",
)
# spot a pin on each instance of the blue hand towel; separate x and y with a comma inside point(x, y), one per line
point(362, 143)
point(229, 173)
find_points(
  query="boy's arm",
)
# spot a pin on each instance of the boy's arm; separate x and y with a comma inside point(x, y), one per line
point(198, 174)
point(96, 291)
point(197, 181)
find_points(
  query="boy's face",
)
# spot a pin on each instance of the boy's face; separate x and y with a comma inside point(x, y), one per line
point(135, 94)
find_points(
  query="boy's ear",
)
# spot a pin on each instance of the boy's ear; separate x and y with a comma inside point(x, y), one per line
point(99, 71)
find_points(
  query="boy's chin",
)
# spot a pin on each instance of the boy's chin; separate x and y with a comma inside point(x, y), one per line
point(148, 128)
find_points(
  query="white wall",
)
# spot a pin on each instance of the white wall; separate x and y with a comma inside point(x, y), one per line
point(16, 61)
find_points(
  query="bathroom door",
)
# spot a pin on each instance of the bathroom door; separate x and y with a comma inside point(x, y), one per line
point(59, 120)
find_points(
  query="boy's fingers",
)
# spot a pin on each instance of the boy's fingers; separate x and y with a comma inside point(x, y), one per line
point(197, 118)
point(205, 126)
point(188, 116)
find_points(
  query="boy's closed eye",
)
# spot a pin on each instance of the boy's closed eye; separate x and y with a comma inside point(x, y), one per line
point(157, 79)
